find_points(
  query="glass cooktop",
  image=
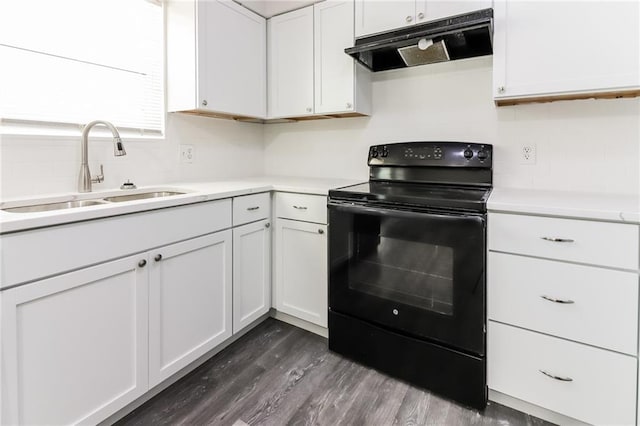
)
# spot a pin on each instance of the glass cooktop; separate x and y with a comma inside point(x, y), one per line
point(415, 194)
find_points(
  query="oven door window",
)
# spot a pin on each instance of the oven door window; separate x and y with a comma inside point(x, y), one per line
point(415, 272)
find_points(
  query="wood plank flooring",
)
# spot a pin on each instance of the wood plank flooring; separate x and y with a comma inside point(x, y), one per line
point(278, 374)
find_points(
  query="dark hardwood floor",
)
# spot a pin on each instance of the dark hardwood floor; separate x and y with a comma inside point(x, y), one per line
point(278, 374)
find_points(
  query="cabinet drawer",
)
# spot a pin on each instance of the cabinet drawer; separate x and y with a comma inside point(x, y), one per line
point(250, 208)
point(601, 305)
point(602, 389)
point(597, 243)
point(309, 208)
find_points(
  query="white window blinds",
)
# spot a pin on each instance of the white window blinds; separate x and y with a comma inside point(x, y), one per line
point(74, 61)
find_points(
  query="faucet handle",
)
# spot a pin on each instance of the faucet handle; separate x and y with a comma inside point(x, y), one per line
point(100, 177)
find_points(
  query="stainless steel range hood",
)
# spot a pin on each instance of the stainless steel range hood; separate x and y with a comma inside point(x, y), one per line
point(457, 37)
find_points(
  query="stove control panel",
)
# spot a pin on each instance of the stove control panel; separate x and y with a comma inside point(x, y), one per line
point(442, 154)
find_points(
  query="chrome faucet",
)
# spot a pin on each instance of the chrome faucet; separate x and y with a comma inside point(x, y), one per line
point(85, 181)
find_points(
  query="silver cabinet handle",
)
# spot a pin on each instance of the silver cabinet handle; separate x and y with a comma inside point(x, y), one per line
point(349, 105)
point(253, 208)
point(300, 207)
point(420, 15)
point(204, 102)
point(558, 240)
point(309, 109)
point(501, 89)
point(409, 18)
point(553, 376)
point(266, 225)
point(158, 258)
point(320, 231)
point(562, 301)
point(142, 263)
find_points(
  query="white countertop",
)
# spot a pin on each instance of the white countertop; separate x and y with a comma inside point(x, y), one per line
point(194, 192)
point(595, 206)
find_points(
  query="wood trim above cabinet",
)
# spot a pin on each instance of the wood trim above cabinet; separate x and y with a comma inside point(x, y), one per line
point(615, 94)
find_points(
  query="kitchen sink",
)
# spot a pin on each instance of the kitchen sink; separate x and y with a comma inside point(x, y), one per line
point(44, 205)
point(142, 196)
point(54, 206)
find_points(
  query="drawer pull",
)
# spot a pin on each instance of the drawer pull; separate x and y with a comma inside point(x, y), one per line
point(300, 207)
point(553, 376)
point(558, 240)
point(563, 301)
point(253, 208)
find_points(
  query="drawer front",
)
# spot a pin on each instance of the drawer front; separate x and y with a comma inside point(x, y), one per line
point(309, 208)
point(250, 208)
point(602, 389)
point(597, 243)
point(592, 305)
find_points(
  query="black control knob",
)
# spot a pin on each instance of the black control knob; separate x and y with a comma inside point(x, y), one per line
point(374, 152)
point(482, 154)
point(468, 153)
point(385, 151)
point(437, 153)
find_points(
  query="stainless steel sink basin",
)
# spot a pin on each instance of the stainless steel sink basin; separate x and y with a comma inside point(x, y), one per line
point(142, 196)
point(54, 206)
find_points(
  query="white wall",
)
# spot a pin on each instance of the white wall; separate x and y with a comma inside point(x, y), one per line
point(43, 165)
point(589, 145)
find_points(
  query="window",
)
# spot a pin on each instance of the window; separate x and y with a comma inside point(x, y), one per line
point(74, 61)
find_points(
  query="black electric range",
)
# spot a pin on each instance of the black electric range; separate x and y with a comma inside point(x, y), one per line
point(407, 266)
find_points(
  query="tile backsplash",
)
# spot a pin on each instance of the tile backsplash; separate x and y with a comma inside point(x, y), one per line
point(586, 145)
point(223, 149)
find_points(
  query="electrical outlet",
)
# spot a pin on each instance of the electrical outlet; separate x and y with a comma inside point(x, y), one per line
point(528, 153)
point(187, 153)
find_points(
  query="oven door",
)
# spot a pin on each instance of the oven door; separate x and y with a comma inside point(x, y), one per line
point(420, 273)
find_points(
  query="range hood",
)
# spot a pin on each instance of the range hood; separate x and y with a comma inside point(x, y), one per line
point(456, 37)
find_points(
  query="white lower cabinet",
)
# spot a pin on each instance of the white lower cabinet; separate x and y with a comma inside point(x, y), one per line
point(301, 270)
point(251, 273)
point(589, 384)
point(189, 302)
point(74, 347)
point(79, 346)
point(562, 307)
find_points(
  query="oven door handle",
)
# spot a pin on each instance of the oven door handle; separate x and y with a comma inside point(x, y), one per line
point(367, 209)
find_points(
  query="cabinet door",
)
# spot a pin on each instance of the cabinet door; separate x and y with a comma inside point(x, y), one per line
point(433, 10)
point(231, 59)
point(334, 70)
point(74, 347)
point(301, 270)
point(189, 302)
point(378, 16)
point(251, 273)
point(290, 63)
point(560, 48)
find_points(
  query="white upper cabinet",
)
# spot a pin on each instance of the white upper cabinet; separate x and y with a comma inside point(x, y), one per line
point(340, 84)
point(565, 50)
point(377, 16)
point(434, 10)
point(309, 73)
point(216, 58)
point(290, 63)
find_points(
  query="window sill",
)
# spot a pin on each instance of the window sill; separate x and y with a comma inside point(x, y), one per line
point(65, 132)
